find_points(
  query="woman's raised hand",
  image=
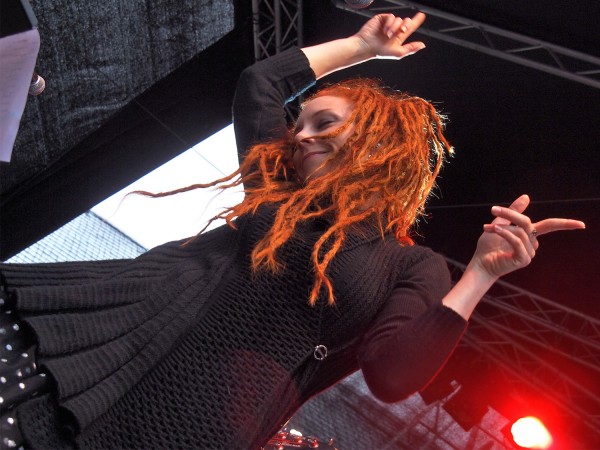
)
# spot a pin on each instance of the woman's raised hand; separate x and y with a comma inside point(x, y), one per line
point(385, 35)
point(510, 241)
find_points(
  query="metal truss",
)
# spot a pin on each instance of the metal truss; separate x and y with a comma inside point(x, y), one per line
point(541, 346)
point(514, 47)
point(351, 414)
point(436, 430)
point(277, 26)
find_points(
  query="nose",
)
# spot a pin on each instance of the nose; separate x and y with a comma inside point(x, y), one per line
point(299, 136)
point(303, 138)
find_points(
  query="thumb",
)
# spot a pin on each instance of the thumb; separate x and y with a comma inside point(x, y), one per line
point(411, 48)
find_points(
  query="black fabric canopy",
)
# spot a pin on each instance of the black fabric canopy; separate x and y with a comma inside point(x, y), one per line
point(128, 87)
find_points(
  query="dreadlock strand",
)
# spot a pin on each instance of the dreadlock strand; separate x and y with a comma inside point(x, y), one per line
point(321, 265)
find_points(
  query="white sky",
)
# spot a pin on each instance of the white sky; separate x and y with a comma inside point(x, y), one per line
point(151, 221)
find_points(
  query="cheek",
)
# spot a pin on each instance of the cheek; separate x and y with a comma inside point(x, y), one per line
point(343, 137)
point(340, 141)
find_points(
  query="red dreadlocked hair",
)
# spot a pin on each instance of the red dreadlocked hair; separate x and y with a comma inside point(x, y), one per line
point(385, 171)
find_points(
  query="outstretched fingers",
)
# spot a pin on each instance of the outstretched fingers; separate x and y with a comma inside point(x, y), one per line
point(557, 224)
point(512, 219)
point(510, 240)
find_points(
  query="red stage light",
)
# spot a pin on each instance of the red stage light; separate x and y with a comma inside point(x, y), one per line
point(530, 432)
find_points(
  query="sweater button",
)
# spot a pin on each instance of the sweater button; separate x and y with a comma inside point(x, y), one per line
point(320, 352)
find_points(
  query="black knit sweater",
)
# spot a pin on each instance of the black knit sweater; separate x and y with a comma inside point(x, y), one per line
point(185, 347)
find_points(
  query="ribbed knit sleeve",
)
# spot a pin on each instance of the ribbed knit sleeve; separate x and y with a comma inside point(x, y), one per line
point(262, 92)
point(413, 334)
point(53, 274)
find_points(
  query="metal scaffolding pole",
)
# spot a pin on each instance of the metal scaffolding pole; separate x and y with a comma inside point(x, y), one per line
point(277, 26)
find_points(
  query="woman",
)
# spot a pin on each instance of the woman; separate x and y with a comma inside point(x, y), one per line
point(215, 342)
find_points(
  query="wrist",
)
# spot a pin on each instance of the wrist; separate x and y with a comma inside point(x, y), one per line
point(362, 48)
point(479, 274)
point(468, 291)
point(336, 55)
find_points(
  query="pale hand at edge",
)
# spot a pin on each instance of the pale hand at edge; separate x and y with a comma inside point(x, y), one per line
point(509, 242)
point(384, 35)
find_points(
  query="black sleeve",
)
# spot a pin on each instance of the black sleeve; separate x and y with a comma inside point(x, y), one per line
point(413, 335)
point(261, 94)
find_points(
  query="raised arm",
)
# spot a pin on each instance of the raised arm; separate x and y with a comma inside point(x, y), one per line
point(261, 94)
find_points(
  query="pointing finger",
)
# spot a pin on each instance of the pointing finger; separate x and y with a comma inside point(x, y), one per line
point(550, 225)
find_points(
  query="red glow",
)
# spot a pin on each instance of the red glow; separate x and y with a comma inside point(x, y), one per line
point(530, 432)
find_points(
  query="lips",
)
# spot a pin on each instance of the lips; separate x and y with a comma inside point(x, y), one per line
point(308, 155)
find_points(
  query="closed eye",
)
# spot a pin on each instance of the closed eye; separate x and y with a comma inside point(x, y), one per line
point(319, 121)
point(325, 124)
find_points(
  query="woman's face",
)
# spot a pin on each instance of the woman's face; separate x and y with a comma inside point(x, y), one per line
point(321, 115)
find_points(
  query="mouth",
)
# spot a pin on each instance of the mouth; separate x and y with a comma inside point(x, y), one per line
point(308, 155)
